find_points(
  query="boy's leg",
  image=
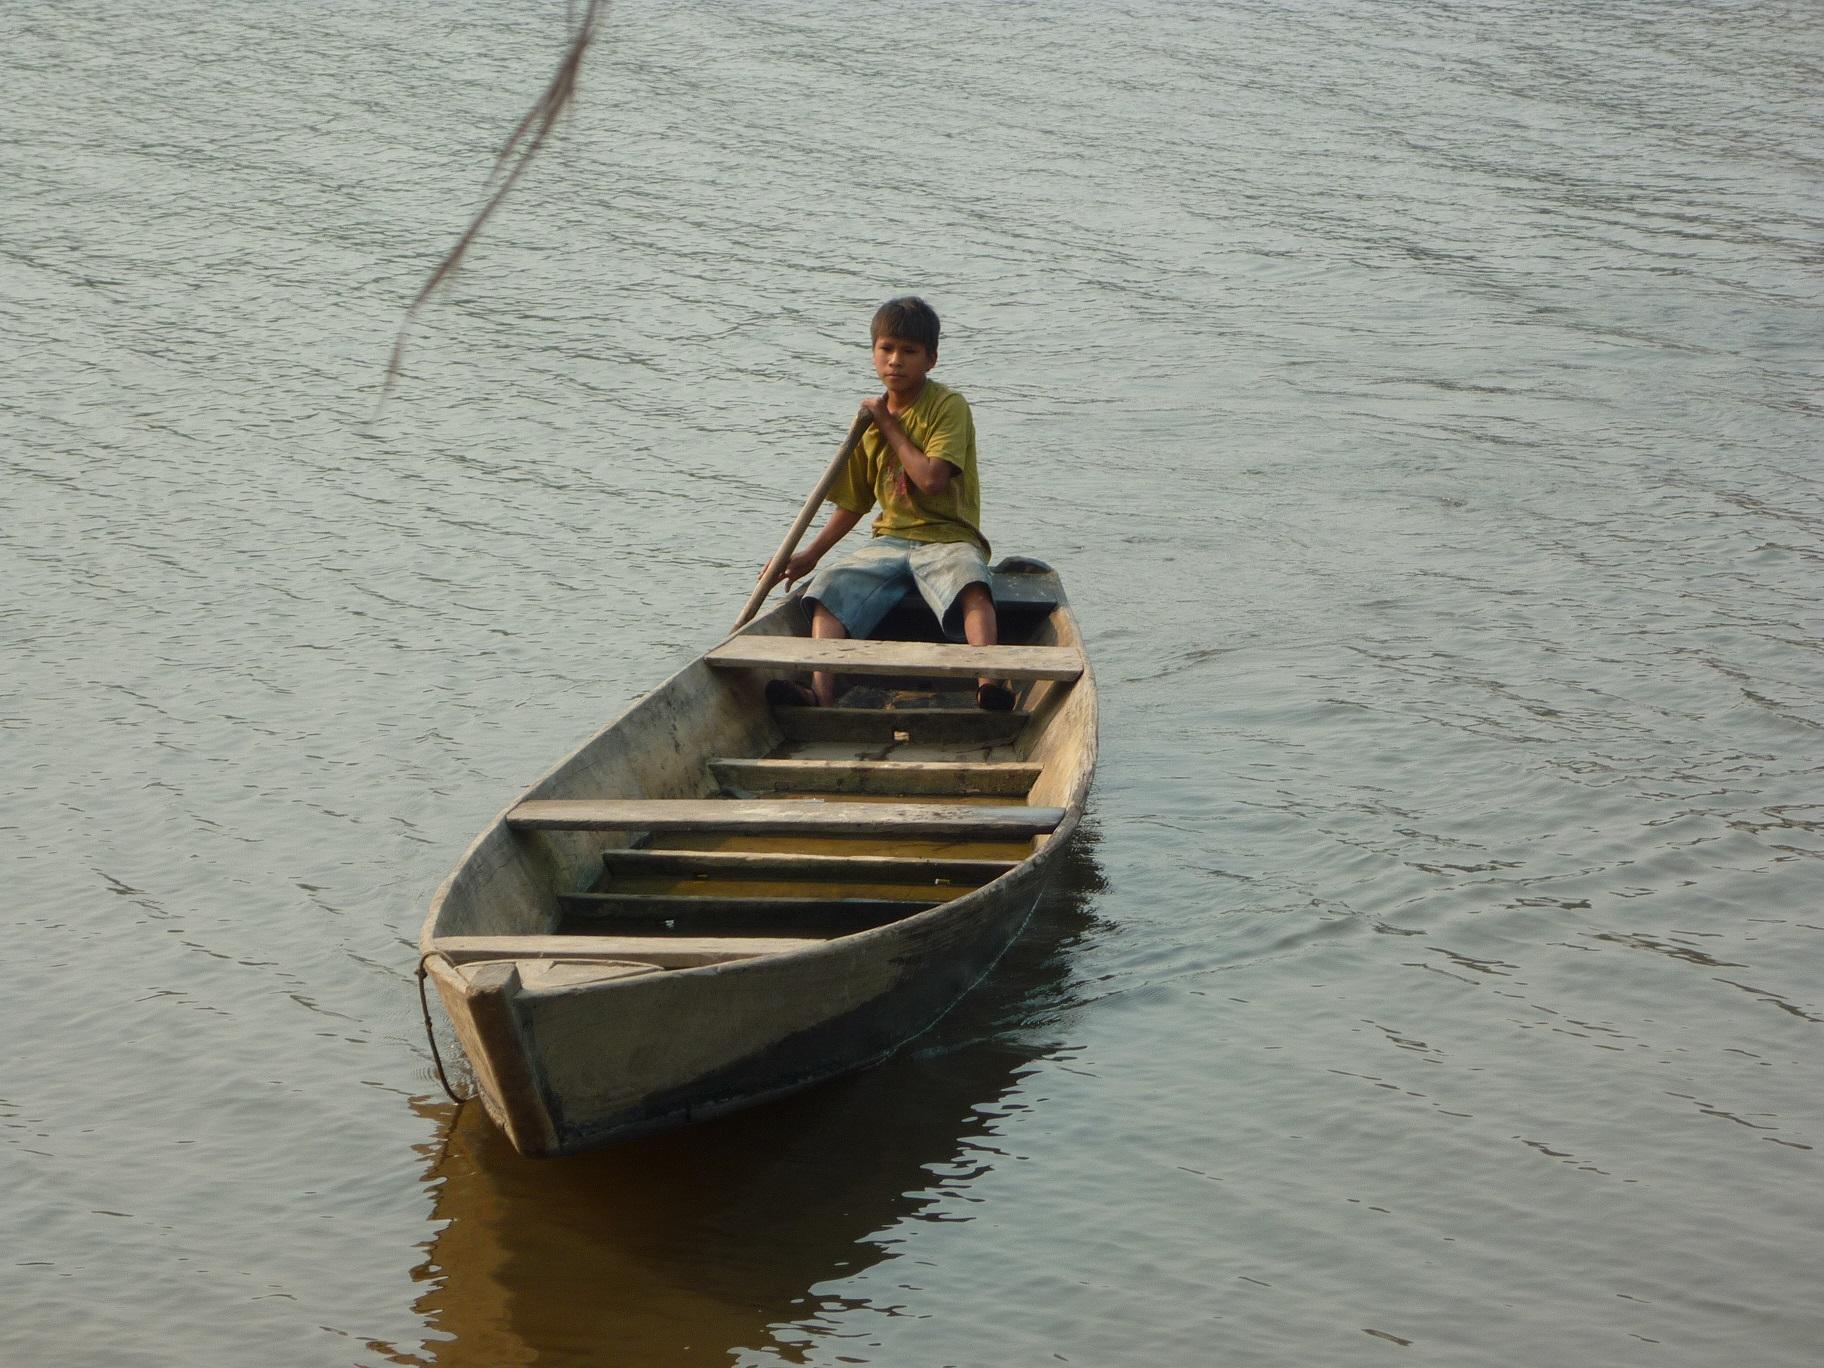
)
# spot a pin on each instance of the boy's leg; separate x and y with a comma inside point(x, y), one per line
point(828, 626)
point(953, 577)
point(850, 597)
point(982, 628)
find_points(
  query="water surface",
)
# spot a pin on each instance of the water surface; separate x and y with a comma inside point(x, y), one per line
point(1420, 402)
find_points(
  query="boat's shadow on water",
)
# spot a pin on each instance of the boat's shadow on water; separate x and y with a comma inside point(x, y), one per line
point(681, 1248)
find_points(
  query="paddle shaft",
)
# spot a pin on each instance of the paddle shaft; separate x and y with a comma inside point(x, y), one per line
point(776, 566)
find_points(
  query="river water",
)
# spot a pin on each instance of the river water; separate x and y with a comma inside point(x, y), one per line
point(1421, 403)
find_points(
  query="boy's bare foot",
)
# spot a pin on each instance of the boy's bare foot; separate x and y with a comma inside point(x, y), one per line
point(787, 693)
point(993, 696)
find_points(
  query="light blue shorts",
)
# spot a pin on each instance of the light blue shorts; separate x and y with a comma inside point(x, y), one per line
point(861, 589)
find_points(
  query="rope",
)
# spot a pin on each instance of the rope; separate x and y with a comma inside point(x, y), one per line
point(430, 1033)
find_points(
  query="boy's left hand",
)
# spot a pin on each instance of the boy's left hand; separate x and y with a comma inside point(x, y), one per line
point(800, 565)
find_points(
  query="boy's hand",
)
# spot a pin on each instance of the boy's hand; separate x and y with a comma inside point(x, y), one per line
point(875, 406)
point(800, 565)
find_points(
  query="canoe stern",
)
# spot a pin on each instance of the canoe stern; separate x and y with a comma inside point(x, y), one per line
point(576, 1065)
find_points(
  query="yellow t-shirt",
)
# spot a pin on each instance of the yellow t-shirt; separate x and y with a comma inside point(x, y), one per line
point(940, 425)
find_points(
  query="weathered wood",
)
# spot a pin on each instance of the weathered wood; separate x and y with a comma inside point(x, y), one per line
point(1027, 593)
point(927, 659)
point(741, 864)
point(660, 907)
point(554, 973)
point(906, 777)
point(809, 817)
point(489, 995)
point(668, 953)
point(916, 726)
point(667, 914)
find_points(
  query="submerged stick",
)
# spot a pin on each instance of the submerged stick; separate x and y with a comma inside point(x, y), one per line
point(522, 145)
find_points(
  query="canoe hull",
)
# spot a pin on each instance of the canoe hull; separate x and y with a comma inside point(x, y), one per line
point(580, 1040)
point(573, 1068)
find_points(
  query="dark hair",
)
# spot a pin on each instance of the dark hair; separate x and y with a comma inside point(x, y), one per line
point(909, 318)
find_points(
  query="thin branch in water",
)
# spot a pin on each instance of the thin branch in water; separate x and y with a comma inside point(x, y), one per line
point(522, 145)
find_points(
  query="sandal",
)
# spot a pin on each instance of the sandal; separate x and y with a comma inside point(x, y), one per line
point(788, 693)
point(994, 696)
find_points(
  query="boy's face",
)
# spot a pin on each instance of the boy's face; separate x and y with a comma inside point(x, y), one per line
point(902, 365)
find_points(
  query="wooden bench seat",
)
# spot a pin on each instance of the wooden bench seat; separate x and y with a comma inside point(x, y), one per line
point(1007, 778)
point(914, 726)
point(936, 660)
point(950, 821)
point(670, 914)
point(670, 952)
point(1025, 593)
point(659, 907)
point(754, 865)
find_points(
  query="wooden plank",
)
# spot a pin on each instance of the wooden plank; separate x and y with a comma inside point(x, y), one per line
point(667, 953)
point(660, 907)
point(742, 864)
point(1027, 593)
point(923, 658)
point(915, 726)
point(876, 776)
point(666, 914)
point(808, 817)
point(489, 995)
point(553, 973)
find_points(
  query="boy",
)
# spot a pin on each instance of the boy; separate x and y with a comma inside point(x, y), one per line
point(918, 463)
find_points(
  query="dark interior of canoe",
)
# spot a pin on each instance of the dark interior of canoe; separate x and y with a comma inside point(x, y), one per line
point(834, 820)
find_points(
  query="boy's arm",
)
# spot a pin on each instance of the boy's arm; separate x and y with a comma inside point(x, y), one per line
point(852, 495)
point(930, 473)
point(842, 522)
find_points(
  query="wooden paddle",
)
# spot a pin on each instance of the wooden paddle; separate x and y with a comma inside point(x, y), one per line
point(776, 566)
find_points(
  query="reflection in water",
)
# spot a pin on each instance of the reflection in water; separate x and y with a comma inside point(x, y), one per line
point(680, 1248)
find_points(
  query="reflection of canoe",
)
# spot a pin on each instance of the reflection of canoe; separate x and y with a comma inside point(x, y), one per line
point(687, 1248)
point(716, 901)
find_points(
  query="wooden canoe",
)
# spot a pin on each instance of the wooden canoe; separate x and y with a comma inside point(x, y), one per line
point(716, 901)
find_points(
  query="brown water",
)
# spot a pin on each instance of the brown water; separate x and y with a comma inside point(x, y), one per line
point(1420, 403)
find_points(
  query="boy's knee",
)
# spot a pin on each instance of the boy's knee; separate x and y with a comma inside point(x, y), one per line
point(824, 623)
point(972, 617)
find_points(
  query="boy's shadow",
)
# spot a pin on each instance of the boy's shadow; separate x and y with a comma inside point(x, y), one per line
point(679, 1248)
